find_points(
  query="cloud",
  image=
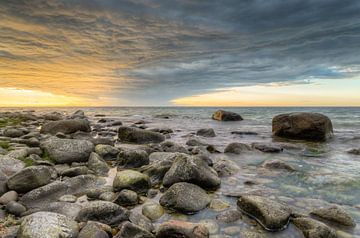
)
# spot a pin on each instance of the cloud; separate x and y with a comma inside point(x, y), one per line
point(151, 52)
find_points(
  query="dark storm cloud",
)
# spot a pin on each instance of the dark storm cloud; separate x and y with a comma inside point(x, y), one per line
point(155, 51)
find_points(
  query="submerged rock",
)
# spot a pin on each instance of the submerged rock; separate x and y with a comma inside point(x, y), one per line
point(65, 126)
point(277, 164)
point(185, 197)
point(271, 214)
point(139, 136)
point(68, 150)
point(191, 169)
point(131, 179)
point(313, 229)
point(335, 214)
point(175, 229)
point(237, 148)
point(222, 115)
point(304, 126)
point(47, 225)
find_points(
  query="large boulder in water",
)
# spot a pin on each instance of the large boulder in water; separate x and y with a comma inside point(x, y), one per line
point(65, 126)
point(303, 125)
point(272, 215)
point(47, 225)
point(139, 136)
point(185, 197)
point(68, 150)
point(191, 169)
point(29, 178)
point(222, 115)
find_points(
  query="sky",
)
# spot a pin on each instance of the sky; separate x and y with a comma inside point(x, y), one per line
point(179, 52)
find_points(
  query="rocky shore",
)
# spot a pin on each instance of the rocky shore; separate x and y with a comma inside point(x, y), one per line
point(71, 175)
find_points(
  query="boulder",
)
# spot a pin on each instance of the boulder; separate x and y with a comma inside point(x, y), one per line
point(334, 214)
point(94, 230)
point(303, 126)
point(13, 132)
point(29, 178)
point(237, 148)
point(175, 228)
point(132, 158)
point(139, 136)
point(206, 132)
point(277, 164)
point(191, 169)
point(225, 167)
point(272, 215)
point(131, 179)
point(65, 126)
point(139, 219)
point(97, 164)
point(126, 198)
point(185, 197)
point(47, 225)
point(169, 146)
point(15, 208)
point(102, 211)
point(75, 171)
point(68, 150)
point(221, 115)
point(70, 210)
point(313, 229)
point(153, 211)
point(130, 230)
point(107, 152)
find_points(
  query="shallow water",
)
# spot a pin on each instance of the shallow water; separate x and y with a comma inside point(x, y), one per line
point(326, 173)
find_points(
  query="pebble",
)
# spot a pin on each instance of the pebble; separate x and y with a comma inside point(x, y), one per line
point(8, 197)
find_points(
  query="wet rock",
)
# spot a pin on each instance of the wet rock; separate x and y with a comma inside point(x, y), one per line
point(237, 148)
point(53, 116)
point(41, 196)
point(229, 216)
point(225, 167)
point(15, 208)
point(313, 229)
point(139, 136)
point(131, 179)
point(206, 132)
point(195, 142)
point(8, 197)
point(78, 114)
point(193, 170)
point(335, 214)
point(354, 151)
point(48, 225)
point(94, 193)
point(75, 171)
point(153, 211)
point(218, 205)
point(94, 230)
point(10, 163)
point(104, 212)
point(222, 115)
point(141, 220)
point(13, 132)
point(29, 178)
point(305, 126)
point(68, 198)
point(107, 196)
point(185, 197)
point(267, 148)
point(277, 164)
point(107, 152)
point(65, 126)
point(248, 133)
point(130, 230)
point(169, 146)
point(97, 164)
point(132, 158)
point(68, 150)
point(174, 229)
point(272, 215)
point(126, 198)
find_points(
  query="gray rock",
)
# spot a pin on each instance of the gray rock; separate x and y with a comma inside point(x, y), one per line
point(185, 197)
point(141, 220)
point(15, 208)
point(132, 158)
point(153, 211)
point(193, 170)
point(53, 116)
point(206, 132)
point(93, 230)
point(29, 178)
point(75, 171)
point(68, 150)
point(169, 146)
point(48, 225)
point(354, 151)
point(13, 132)
point(237, 148)
point(229, 216)
point(94, 193)
point(130, 230)
point(177, 228)
point(303, 125)
point(272, 215)
point(335, 214)
point(266, 148)
point(139, 136)
point(225, 167)
point(104, 212)
point(10, 163)
point(65, 126)
point(41, 196)
point(131, 179)
point(126, 198)
point(222, 115)
point(107, 152)
point(277, 164)
point(68, 198)
point(8, 197)
point(107, 196)
point(313, 229)
point(68, 209)
point(195, 142)
point(97, 164)
point(78, 114)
